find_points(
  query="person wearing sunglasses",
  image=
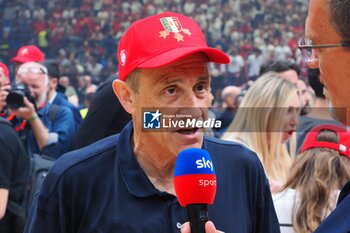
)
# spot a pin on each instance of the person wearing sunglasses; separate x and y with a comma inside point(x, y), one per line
point(44, 132)
point(326, 46)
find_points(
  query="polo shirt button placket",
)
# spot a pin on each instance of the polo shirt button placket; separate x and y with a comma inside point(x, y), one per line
point(178, 225)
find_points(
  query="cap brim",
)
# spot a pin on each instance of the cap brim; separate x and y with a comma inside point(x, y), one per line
point(167, 57)
point(20, 59)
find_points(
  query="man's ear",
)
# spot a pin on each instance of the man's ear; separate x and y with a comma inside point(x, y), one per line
point(125, 95)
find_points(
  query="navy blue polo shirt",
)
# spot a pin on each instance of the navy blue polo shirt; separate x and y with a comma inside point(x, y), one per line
point(339, 220)
point(101, 188)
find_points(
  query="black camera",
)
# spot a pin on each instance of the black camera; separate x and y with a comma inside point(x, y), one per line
point(16, 95)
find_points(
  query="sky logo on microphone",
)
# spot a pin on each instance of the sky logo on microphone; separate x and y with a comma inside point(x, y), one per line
point(204, 163)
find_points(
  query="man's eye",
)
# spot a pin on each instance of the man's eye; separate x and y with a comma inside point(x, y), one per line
point(200, 87)
point(170, 91)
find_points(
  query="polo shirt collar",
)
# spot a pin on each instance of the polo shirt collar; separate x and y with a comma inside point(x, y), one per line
point(135, 179)
point(44, 110)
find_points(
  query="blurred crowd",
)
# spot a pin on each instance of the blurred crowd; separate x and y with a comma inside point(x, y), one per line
point(71, 45)
point(82, 35)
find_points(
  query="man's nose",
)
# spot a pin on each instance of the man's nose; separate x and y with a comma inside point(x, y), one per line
point(193, 105)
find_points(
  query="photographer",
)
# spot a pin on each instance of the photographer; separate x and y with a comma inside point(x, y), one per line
point(46, 129)
point(4, 85)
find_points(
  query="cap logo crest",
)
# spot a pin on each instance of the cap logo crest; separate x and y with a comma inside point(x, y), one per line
point(173, 25)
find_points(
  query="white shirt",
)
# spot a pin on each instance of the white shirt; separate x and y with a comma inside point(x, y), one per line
point(284, 202)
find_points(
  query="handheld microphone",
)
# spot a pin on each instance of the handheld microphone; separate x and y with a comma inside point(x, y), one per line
point(195, 185)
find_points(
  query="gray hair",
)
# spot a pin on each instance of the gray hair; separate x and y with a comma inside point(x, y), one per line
point(340, 17)
point(25, 66)
point(133, 80)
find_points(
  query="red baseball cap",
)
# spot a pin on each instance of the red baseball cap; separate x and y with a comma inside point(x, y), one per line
point(343, 147)
point(28, 53)
point(4, 69)
point(160, 40)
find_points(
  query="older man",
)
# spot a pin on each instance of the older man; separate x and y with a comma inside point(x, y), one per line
point(124, 183)
point(326, 46)
point(47, 129)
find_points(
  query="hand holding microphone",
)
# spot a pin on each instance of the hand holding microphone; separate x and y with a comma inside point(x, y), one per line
point(209, 228)
point(195, 185)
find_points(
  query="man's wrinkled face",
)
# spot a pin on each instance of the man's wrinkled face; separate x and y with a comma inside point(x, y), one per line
point(34, 75)
point(184, 88)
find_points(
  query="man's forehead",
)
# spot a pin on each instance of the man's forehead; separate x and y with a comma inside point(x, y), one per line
point(317, 7)
point(32, 69)
point(169, 78)
point(196, 63)
point(30, 65)
point(196, 58)
point(317, 19)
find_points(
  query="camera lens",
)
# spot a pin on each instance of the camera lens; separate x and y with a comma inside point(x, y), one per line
point(16, 96)
point(14, 100)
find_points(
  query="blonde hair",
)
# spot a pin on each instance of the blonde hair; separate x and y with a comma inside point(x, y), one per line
point(316, 174)
point(259, 121)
